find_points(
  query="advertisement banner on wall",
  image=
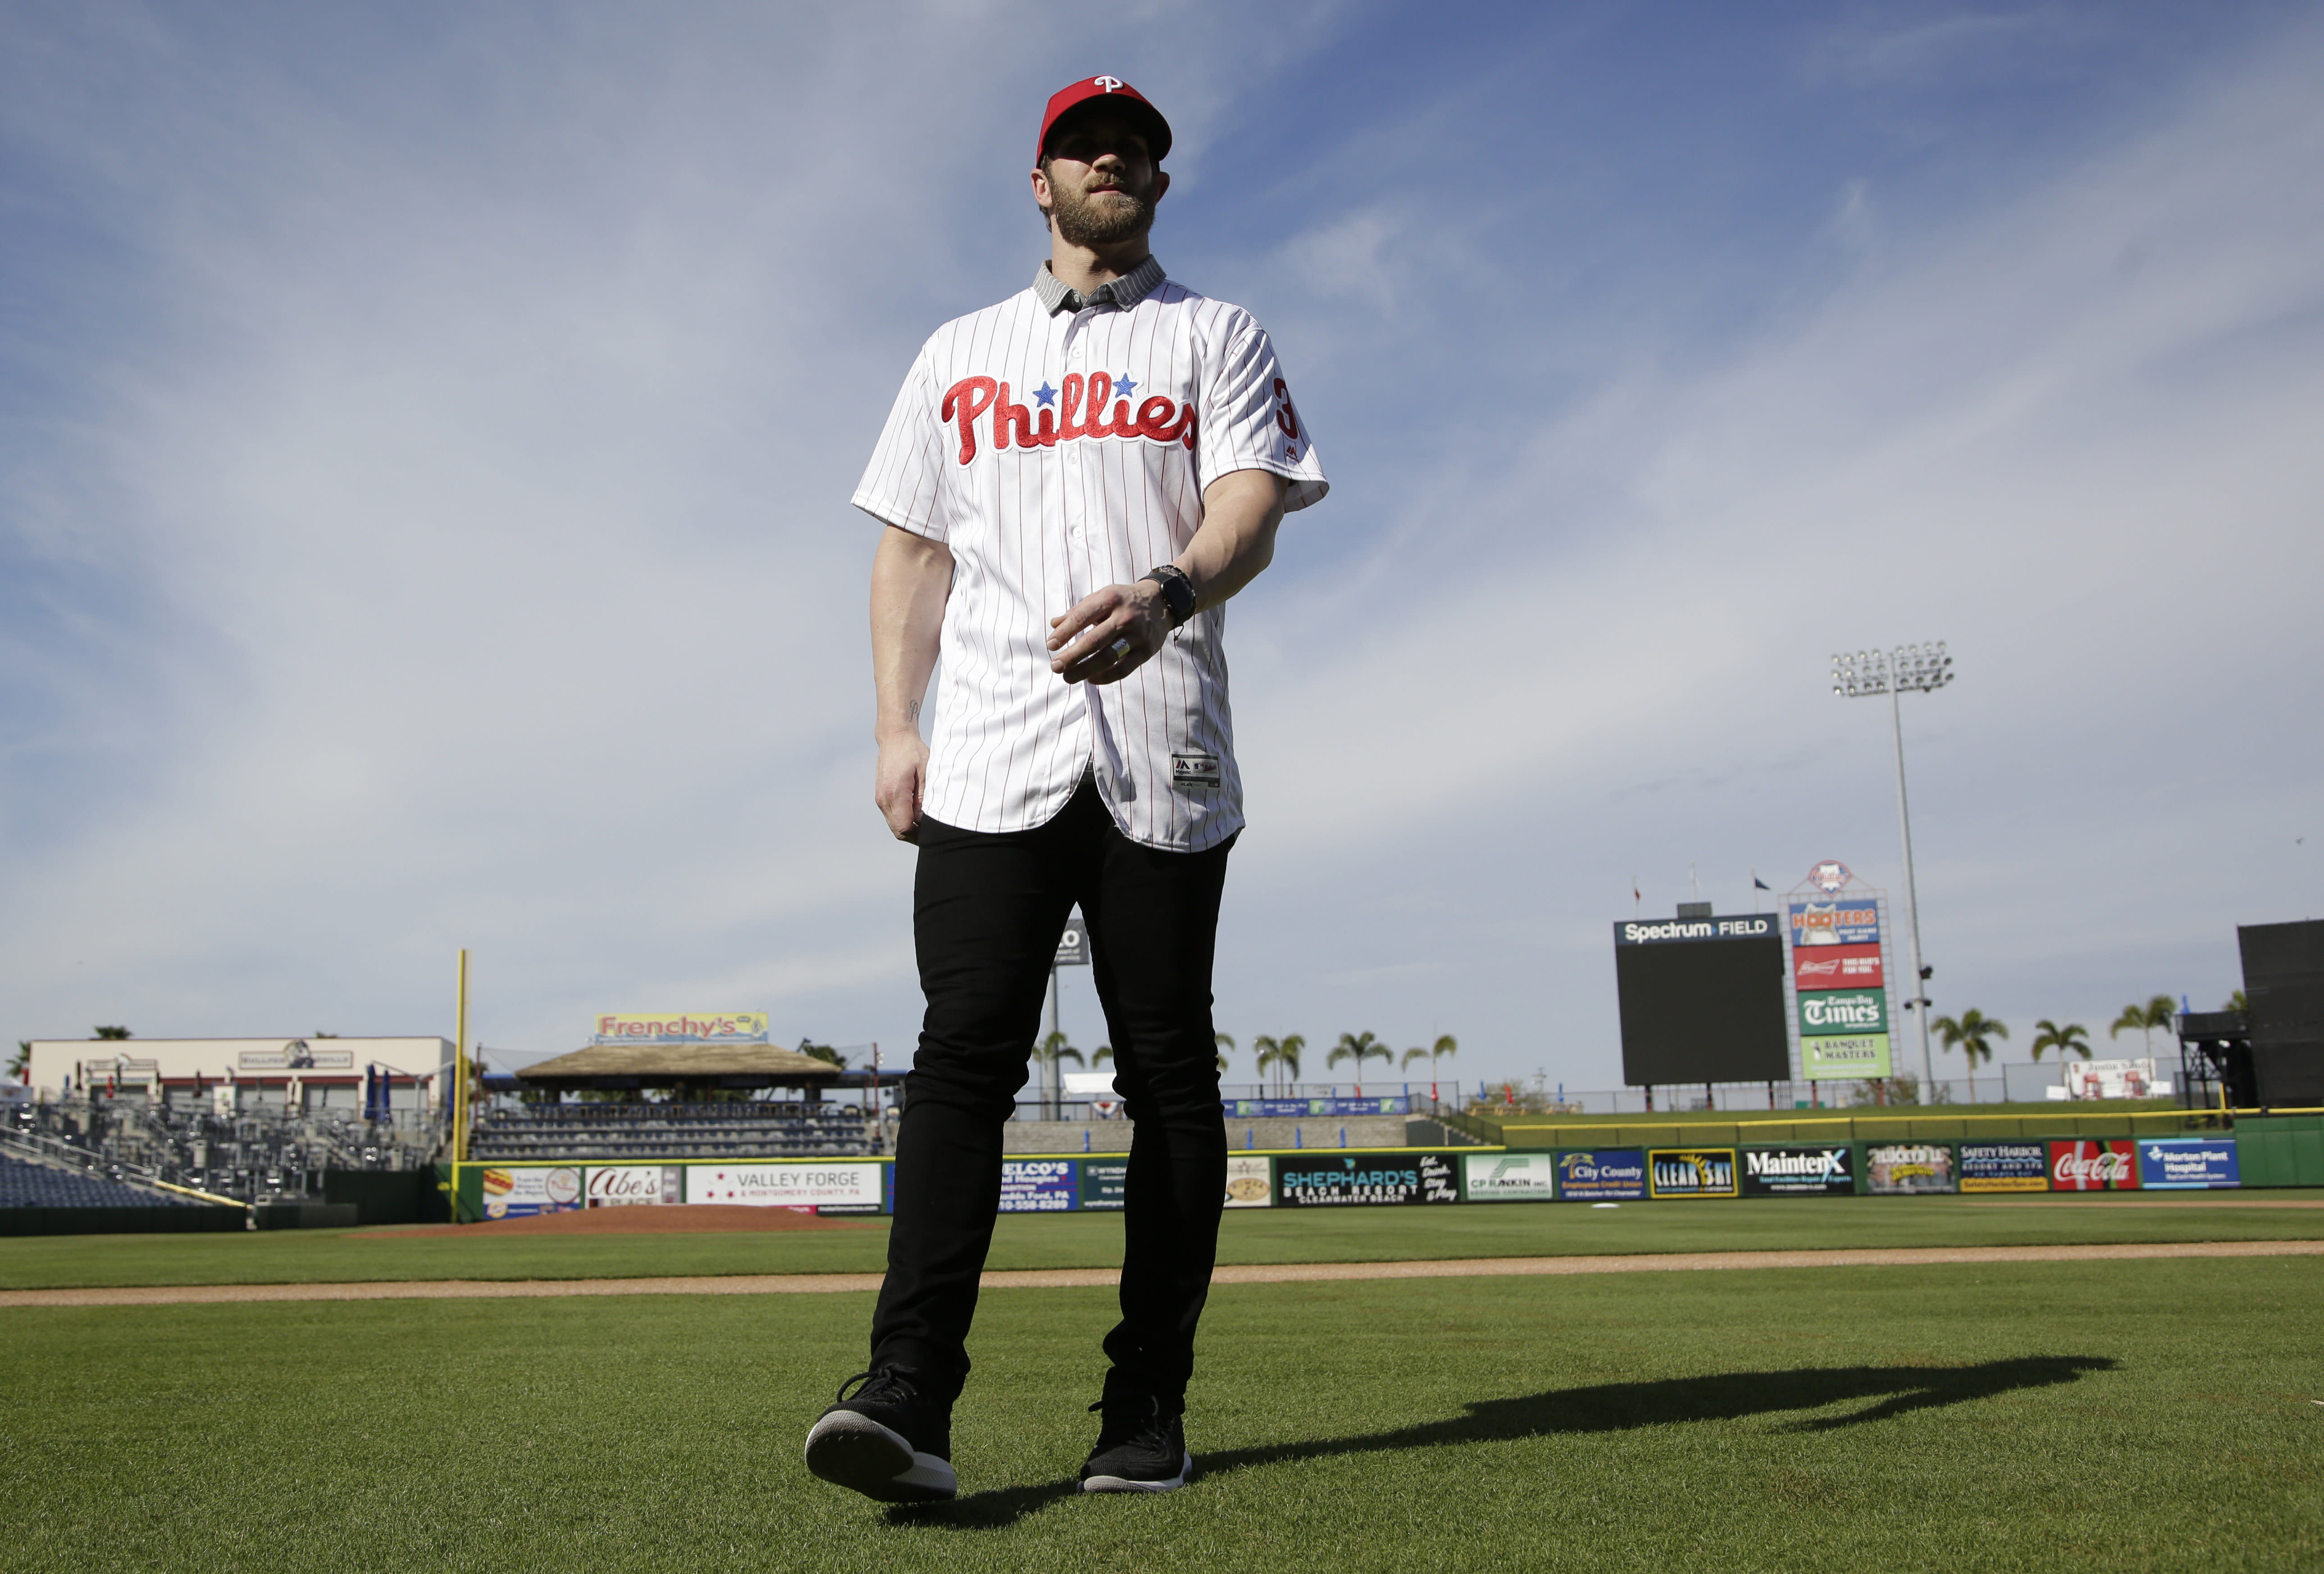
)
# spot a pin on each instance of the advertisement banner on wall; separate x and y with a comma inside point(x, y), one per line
point(1799, 1172)
point(1836, 967)
point(1603, 1174)
point(1251, 1181)
point(511, 1191)
point(1509, 1177)
point(1103, 1184)
point(825, 1186)
point(1302, 1181)
point(1039, 1186)
point(2188, 1164)
point(1842, 1055)
point(1824, 1012)
point(1313, 1109)
point(2094, 1166)
point(627, 1185)
point(1909, 1169)
point(1840, 922)
point(1691, 1171)
point(2002, 1167)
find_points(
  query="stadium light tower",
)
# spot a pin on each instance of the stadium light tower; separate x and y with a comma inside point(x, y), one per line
point(1924, 668)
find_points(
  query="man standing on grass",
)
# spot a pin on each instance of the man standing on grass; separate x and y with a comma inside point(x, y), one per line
point(1071, 482)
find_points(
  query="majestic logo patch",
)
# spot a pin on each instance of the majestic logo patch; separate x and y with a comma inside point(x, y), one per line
point(1193, 770)
point(1157, 420)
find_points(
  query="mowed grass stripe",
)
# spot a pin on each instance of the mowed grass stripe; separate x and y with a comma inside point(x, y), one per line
point(1093, 1240)
point(1087, 1278)
point(2124, 1415)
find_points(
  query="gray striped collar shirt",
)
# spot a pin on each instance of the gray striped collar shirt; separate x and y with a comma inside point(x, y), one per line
point(1122, 293)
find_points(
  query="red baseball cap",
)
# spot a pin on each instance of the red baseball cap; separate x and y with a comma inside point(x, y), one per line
point(1118, 95)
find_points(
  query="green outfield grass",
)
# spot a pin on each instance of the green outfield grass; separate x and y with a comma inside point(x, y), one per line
point(2124, 1416)
point(1094, 1239)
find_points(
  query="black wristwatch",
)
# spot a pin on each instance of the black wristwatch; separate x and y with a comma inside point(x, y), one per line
point(1177, 590)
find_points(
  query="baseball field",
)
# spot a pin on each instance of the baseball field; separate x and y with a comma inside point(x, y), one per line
point(2154, 1413)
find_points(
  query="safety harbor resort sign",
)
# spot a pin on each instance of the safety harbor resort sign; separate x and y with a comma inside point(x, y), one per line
point(825, 1186)
point(1836, 967)
point(1317, 1182)
point(1509, 1177)
point(2002, 1167)
point(1840, 922)
point(1691, 1171)
point(513, 1191)
point(1039, 1186)
point(2094, 1166)
point(628, 1185)
point(1603, 1174)
point(2187, 1164)
point(681, 1028)
point(1831, 1012)
point(1251, 1181)
point(1909, 1169)
point(1828, 1056)
point(1799, 1172)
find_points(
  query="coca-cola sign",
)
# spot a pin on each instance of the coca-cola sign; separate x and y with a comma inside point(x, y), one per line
point(2089, 1165)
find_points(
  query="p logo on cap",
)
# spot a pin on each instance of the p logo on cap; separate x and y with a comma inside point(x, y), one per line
point(1119, 97)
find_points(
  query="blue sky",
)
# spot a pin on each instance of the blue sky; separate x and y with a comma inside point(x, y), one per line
point(425, 437)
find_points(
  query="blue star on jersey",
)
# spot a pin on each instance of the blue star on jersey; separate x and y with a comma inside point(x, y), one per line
point(1045, 393)
point(1124, 387)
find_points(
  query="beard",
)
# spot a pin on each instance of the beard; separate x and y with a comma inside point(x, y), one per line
point(1101, 219)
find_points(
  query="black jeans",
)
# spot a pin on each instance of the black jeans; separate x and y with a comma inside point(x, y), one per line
point(987, 912)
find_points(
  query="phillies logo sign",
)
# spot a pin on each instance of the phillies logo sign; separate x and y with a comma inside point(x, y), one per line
point(1157, 420)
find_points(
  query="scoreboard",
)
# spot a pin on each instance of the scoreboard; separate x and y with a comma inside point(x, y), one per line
point(1703, 999)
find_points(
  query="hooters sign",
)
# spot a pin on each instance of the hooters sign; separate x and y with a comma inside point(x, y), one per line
point(2094, 1166)
point(1074, 409)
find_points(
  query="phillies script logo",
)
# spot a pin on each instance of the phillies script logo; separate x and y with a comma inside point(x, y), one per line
point(1157, 420)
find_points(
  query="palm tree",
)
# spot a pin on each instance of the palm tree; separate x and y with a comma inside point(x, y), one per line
point(1102, 1055)
point(1971, 1032)
point(2158, 1012)
point(1359, 1047)
point(822, 1052)
point(2238, 1003)
point(1445, 1045)
point(2073, 1038)
point(1054, 1049)
point(1415, 1055)
point(108, 1033)
point(1280, 1057)
point(20, 1066)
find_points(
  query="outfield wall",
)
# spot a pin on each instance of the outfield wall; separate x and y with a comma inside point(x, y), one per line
point(2281, 1151)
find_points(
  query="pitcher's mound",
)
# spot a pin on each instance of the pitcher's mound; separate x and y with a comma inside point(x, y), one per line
point(647, 1218)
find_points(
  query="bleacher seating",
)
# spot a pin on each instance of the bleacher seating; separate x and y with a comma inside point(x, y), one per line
point(643, 1133)
point(29, 1185)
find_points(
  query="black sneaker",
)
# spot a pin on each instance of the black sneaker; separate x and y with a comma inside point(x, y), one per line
point(1141, 1446)
point(888, 1440)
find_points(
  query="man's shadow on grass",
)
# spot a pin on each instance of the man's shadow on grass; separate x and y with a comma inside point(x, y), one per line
point(1608, 1407)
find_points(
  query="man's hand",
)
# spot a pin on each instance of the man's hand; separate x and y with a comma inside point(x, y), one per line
point(1111, 634)
point(902, 774)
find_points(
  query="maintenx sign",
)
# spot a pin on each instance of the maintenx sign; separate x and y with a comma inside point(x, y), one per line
point(1827, 1011)
point(1798, 1172)
point(1603, 1174)
point(1840, 922)
point(1691, 1171)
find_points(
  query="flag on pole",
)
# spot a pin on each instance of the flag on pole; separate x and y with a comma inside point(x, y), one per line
point(1759, 884)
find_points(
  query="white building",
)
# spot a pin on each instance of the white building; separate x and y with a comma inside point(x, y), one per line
point(229, 1075)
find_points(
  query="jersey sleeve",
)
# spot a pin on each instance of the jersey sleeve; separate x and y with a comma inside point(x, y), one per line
point(900, 485)
point(1251, 423)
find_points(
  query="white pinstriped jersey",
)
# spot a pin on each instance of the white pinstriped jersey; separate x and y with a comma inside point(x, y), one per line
point(1055, 456)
